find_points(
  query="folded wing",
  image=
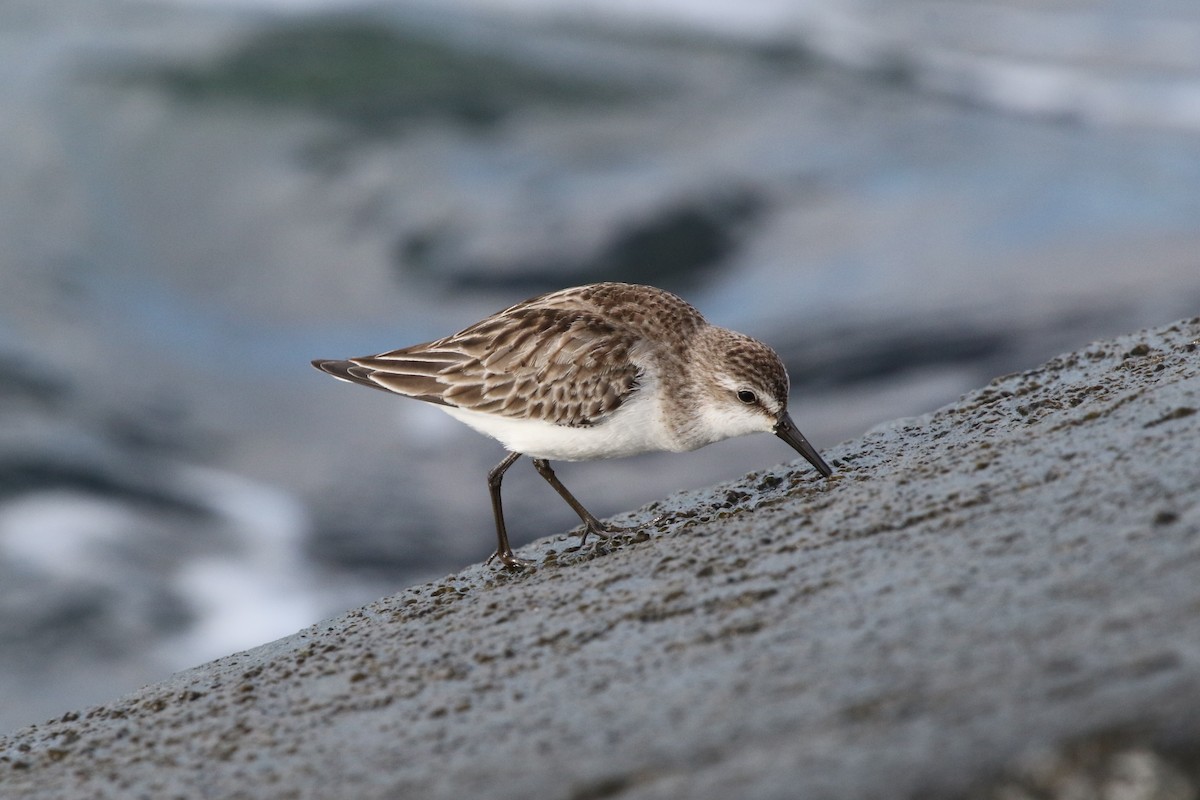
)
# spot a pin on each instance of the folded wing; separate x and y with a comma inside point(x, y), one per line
point(563, 366)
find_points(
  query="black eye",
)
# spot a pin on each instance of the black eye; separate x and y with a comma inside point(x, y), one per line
point(748, 397)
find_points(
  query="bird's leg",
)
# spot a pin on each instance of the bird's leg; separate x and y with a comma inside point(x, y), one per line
point(590, 523)
point(504, 550)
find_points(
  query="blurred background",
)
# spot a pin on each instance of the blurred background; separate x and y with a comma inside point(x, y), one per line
point(904, 197)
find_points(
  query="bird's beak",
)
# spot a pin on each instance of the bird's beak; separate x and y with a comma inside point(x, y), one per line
point(786, 429)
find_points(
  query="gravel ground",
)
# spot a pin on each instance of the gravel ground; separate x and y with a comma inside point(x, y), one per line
point(1001, 598)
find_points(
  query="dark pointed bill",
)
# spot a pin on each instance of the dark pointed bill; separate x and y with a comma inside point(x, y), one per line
point(787, 430)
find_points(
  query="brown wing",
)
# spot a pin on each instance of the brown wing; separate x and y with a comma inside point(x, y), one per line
point(565, 366)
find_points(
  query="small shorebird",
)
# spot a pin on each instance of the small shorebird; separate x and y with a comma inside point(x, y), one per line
point(598, 371)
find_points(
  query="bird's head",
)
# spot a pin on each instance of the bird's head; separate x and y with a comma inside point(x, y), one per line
point(745, 386)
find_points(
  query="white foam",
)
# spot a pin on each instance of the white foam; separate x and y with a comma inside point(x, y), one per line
point(260, 591)
point(60, 532)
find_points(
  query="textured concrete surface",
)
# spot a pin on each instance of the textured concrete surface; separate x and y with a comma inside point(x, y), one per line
point(998, 599)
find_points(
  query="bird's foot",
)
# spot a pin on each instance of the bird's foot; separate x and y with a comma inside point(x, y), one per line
point(604, 531)
point(509, 560)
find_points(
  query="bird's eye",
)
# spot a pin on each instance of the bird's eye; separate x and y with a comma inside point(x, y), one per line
point(748, 397)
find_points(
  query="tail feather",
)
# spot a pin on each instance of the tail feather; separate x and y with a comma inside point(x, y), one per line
point(420, 387)
point(347, 371)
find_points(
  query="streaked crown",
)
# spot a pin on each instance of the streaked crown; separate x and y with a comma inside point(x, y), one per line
point(741, 382)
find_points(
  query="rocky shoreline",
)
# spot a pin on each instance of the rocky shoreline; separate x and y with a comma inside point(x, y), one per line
point(996, 599)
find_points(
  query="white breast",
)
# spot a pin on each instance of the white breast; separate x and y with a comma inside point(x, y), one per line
point(635, 427)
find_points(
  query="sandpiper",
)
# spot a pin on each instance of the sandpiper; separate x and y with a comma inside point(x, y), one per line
point(597, 371)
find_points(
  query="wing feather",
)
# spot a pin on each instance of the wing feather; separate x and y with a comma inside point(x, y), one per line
point(568, 357)
point(560, 365)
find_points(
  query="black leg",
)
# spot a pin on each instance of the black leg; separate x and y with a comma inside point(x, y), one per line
point(590, 523)
point(503, 551)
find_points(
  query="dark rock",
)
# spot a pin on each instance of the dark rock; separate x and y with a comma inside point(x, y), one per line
point(911, 627)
